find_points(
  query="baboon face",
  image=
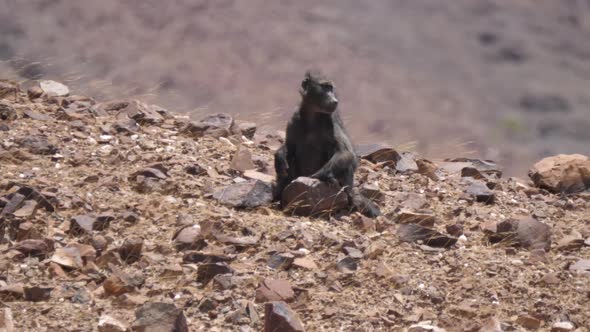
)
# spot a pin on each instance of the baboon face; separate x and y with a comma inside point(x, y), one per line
point(319, 92)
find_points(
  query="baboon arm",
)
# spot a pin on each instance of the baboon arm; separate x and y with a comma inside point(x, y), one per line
point(342, 162)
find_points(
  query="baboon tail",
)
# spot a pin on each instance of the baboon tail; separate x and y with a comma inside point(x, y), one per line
point(363, 205)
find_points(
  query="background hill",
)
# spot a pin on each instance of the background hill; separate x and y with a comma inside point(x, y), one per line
point(497, 79)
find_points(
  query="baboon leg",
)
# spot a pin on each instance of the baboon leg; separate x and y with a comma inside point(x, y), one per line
point(283, 172)
point(339, 169)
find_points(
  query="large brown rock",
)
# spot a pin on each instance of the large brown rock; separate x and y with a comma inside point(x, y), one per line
point(7, 112)
point(378, 153)
point(312, 197)
point(278, 316)
point(562, 173)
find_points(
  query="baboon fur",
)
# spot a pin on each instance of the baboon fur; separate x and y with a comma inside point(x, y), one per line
point(318, 146)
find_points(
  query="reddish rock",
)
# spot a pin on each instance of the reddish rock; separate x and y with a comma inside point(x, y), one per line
point(423, 219)
point(275, 290)
point(108, 323)
point(312, 197)
point(305, 263)
point(35, 248)
point(562, 173)
point(529, 322)
point(278, 316)
point(73, 255)
point(37, 294)
point(255, 175)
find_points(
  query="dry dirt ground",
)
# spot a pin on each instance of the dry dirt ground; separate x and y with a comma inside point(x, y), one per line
point(107, 187)
point(501, 79)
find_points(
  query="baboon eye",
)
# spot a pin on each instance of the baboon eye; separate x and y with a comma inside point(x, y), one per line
point(327, 87)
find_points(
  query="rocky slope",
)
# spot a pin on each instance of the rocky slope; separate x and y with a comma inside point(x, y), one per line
point(503, 79)
point(114, 213)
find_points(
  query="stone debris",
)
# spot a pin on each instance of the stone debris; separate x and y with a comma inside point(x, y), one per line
point(562, 173)
point(53, 88)
point(122, 216)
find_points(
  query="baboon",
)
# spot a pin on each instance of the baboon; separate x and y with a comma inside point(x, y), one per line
point(318, 146)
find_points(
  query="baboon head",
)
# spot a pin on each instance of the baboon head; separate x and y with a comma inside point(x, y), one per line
point(318, 93)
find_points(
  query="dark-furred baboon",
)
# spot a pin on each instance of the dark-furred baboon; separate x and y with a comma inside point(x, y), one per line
point(317, 145)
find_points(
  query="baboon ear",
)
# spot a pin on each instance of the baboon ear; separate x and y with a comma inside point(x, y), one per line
point(305, 82)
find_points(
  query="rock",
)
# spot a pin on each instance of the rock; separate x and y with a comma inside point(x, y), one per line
point(108, 323)
point(246, 129)
point(7, 112)
point(73, 255)
point(208, 271)
point(562, 327)
point(27, 209)
point(372, 192)
point(130, 250)
point(14, 292)
point(275, 290)
point(582, 266)
point(347, 265)
point(53, 88)
point(312, 197)
point(35, 248)
point(378, 153)
point(544, 103)
point(562, 173)
point(159, 317)
point(430, 237)
point(572, 242)
point(37, 294)
point(216, 125)
point(36, 116)
point(249, 194)
point(196, 169)
point(87, 224)
point(242, 160)
point(529, 322)
point(8, 89)
point(481, 193)
point(203, 257)
point(486, 168)
point(407, 163)
point(37, 145)
point(526, 232)
point(425, 327)
point(6, 320)
point(280, 260)
point(305, 263)
point(239, 241)
point(189, 238)
point(141, 113)
point(278, 316)
point(34, 92)
point(429, 169)
point(269, 138)
point(255, 175)
point(423, 219)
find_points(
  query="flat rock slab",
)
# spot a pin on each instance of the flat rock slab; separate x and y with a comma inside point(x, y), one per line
point(275, 290)
point(430, 237)
point(312, 197)
point(215, 125)
point(278, 316)
point(562, 173)
point(377, 153)
point(53, 88)
point(249, 194)
point(159, 317)
point(481, 193)
point(525, 232)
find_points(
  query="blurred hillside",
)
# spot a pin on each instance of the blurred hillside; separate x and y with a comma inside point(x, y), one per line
point(502, 79)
